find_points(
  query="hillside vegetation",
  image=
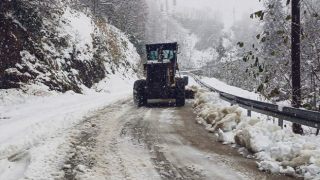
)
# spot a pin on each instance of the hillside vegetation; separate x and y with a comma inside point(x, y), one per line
point(60, 45)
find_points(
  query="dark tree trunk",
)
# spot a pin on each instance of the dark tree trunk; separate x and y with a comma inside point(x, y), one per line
point(295, 55)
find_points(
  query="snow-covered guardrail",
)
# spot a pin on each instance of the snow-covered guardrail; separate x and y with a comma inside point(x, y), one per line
point(299, 116)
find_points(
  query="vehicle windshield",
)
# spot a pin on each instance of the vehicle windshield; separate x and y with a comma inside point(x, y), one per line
point(153, 55)
point(167, 54)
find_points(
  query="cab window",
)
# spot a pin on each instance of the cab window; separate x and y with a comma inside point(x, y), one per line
point(167, 54)
point(153, 55)
point(171, 54)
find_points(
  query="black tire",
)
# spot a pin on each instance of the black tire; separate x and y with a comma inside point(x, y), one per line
point(186, 80)
point(180, 92)
point(145, 98)
point(139, 96)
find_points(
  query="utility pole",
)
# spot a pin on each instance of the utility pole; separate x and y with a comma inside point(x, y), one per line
point(95, 6)
point(167, 19)
point(295, 57)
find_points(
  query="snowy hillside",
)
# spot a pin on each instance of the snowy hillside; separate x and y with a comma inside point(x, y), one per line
point(71, 49)
point(77, 53)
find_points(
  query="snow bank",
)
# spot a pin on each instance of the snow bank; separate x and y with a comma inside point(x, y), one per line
point(279, 150)
point(31, 127)
point(210, 111)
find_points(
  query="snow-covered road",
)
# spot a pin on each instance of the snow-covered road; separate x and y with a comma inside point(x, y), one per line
point(106, 137)
point(159, 141)
point(144, 143)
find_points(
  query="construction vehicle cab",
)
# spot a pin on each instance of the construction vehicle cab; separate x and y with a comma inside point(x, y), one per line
point(160, 72)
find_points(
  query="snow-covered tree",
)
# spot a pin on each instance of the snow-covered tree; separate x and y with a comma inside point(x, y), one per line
point(127, 15)
point(271, 56)
point(221, 49)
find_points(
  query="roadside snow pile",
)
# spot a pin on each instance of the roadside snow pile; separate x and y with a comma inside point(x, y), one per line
point(279, 150)
point(210, 111)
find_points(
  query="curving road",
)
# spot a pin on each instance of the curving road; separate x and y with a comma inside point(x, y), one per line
point(159, 141)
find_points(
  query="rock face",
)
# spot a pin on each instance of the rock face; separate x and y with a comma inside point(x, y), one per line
point(43, 49)
point(19, 67)
point(12, 39)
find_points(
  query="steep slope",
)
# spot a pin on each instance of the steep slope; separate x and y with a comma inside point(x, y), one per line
point(41, 69)
point(61, 50)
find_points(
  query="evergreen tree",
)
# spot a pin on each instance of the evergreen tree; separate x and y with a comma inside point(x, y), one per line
point(221, 49)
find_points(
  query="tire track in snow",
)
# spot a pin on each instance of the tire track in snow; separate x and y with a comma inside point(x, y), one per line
point(146, 133)
point(173, 156)
point(112, 154)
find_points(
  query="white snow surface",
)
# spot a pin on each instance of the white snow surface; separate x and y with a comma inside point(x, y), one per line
point(221, 86)
point(36, 123)
point(197, 58)
point(279, 150)
point(27, 125)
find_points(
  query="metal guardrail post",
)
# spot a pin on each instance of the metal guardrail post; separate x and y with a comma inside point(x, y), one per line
point(280, 123)
point(249, 112)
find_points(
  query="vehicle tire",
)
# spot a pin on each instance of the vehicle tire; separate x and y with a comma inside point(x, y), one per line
point(139, 96)
point(144, 98)
point(180, 92)
point(186, 80)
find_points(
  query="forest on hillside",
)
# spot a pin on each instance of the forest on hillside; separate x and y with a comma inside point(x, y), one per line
point(255, 53)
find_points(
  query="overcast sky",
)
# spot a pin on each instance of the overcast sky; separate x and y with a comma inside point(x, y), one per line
point(225, 7)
